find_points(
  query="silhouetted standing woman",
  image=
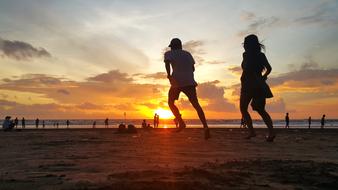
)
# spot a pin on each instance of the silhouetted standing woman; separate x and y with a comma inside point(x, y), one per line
point(23, 122)
point(322, 122)
point(309, 121)
point(253, 85)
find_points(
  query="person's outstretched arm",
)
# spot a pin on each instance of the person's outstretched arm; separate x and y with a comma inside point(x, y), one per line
point(267, 66)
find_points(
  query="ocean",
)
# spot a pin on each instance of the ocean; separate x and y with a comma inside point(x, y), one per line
point(191, 123)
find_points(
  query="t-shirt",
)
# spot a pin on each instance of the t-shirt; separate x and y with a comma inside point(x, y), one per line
point(182, 64)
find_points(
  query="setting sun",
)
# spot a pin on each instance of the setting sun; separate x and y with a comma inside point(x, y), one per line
point(164, 114)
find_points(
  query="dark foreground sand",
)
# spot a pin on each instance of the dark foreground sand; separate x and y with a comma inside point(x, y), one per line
point(162, 159)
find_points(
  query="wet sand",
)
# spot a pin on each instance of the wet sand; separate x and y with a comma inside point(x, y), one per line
point(100, 159)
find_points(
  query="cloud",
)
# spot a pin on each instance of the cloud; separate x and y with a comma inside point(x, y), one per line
point(194, 47)
point(257, 25)
point(113, 83)
point(276, 105)
point(19, 50)
point(30, 81)
point(247, 16)
point(216, 62)
point(306, 78)
point(321, 13)
point(62, 91)
point(50, 110)
point(111, 76)
point(237, 70)
point(215, 97)
point(89, 106)
point(158, 75)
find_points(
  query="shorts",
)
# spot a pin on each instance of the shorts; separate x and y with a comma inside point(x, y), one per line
point(258, 100)
point(189, 91)
point(258, 103)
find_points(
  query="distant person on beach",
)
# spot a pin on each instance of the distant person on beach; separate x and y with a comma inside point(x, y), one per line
point(57, 125)
point(94, 124)
point(322, 122)
point(43, 123)
point(287, 120)
point(37, 123)
point(182, 80)
point(23, 123)
point(155, 120)
point(8, 124)
point(106, 123)
point(67, 123)
point(16, 122)
point(254, 88)
point(309, 121)
point(144, 124)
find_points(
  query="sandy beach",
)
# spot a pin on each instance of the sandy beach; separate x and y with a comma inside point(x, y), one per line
point(162, 159)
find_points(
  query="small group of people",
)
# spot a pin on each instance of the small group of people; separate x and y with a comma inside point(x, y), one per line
point(146, 125)
point(156, 120)
point(106, 123)
point(322, 121)
point(9, 124)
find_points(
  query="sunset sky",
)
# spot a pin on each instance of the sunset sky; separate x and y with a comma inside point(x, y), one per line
point(97, 59)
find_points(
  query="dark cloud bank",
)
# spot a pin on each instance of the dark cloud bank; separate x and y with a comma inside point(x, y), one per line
point(20, 50)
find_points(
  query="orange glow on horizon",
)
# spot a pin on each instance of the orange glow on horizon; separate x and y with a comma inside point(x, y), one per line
point(164, 114)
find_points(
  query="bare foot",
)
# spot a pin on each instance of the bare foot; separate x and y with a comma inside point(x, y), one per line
point(181, 126)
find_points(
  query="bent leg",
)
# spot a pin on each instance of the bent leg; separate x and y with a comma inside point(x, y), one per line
point(172, 96)
point(267, 119)
point(244, 103)
point(194, 102)
point(192, 95)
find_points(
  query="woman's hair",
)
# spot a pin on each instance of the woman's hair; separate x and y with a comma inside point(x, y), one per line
point(251, 44)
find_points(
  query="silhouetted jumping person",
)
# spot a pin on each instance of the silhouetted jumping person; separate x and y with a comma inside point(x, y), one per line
point(309, 121)
point(287, 120)
point(254, 88)
point(182, 80)
point(322, 122)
